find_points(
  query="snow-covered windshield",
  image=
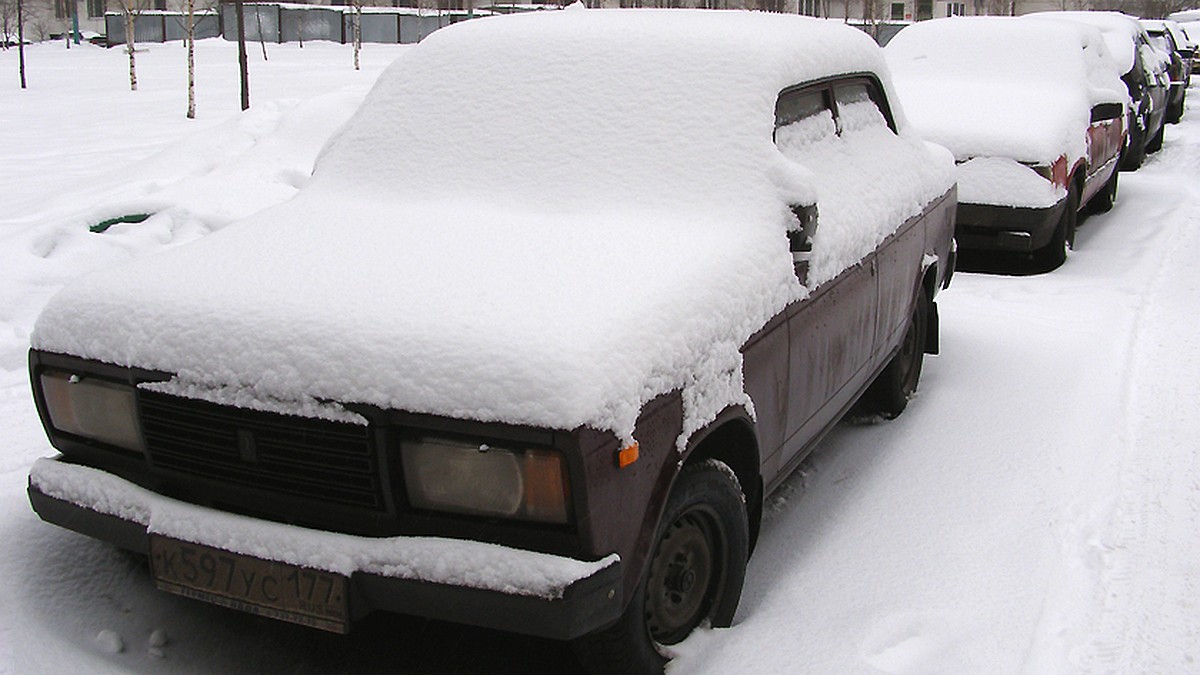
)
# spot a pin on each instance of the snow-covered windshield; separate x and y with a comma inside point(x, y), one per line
point(1002, 86)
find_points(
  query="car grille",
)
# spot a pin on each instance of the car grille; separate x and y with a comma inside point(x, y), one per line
point(318, 460)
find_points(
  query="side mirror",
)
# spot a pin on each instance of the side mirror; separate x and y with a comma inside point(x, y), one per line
point(800, 238)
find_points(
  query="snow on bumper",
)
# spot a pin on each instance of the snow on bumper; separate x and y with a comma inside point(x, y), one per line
point(464, 581)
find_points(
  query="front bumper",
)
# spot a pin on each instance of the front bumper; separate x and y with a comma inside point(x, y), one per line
point(466, 582)
point(1006, 228)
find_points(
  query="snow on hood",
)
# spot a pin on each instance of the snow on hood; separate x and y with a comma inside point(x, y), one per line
point(1001, 86)
point(545, 219)
point(510, 317)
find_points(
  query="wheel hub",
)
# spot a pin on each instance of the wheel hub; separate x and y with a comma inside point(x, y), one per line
point(682, 575)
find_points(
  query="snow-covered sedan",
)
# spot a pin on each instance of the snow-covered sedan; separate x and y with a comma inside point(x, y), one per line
point(565, 298)
point(1143, 70)
point(1033, 112)
point(1168, 38)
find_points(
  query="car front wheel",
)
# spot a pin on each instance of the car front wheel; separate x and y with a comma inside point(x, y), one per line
point(695, 574)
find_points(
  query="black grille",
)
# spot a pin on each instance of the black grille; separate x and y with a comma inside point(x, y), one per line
point(318, 460)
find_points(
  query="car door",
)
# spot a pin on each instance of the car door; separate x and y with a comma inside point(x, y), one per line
point(899, 258)
point(831, 333)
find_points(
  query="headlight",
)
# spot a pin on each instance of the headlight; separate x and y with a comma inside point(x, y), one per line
point(95, 409)
point(461, 477)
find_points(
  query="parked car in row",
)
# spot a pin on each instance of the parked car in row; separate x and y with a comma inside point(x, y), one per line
point(1168, 38)
point(1144, 72)
point(1033, 112)
point(556, 311)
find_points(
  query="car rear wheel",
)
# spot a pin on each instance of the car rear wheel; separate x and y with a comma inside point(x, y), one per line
point(1135, 150)
point(1053, 255)
point(1175, 111)
point(888, 395)
point(1106, 197)
point(694, 574)
point(1156, 142)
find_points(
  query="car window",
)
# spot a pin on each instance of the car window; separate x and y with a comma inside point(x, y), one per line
point(856, 108)
point(803, 116)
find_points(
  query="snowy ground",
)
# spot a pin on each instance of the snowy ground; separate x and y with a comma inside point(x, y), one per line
point(1036, 509)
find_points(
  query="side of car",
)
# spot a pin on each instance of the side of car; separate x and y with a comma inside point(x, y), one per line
point(1165, 41)
point(858, 338)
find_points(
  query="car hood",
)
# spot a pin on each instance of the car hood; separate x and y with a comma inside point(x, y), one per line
point(464, 310)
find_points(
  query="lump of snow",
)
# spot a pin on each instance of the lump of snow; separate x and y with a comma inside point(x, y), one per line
point(1000, 181)
point(158, 638)
point(110, 642)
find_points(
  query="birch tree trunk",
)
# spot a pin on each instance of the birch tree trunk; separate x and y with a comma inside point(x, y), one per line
point(357, 31)
point(129, 44)
point(191, 59)
point(262, 41)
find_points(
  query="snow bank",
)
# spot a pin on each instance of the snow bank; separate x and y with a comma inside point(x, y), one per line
point(999, 86)
point(545, 219)
point(436, 560)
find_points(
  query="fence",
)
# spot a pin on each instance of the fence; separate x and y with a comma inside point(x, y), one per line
point(272, 22)
point(292, 23)
point(160, 26)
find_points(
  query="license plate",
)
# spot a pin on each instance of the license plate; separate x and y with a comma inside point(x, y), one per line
point(272, 589)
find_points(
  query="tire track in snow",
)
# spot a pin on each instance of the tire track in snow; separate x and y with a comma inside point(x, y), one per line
point(1147, 600)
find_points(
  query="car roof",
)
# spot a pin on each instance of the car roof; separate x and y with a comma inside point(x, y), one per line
point(599, 105)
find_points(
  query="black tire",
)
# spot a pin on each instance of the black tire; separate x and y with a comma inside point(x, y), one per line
point(1156, 142)
point(1103, 200)
point(1053, 255)
point(888, 395)
point(694, 574)
point(1135, 151)
point(1175, 111)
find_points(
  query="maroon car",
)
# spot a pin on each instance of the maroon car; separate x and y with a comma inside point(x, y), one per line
point(555, 312)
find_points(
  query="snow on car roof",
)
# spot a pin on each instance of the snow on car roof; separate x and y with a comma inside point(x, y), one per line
point(1120, 31)
point(1003, 86)
point(546, 219)
point(587, 109)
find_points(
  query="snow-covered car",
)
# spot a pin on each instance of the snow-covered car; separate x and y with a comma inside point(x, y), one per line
point(1033, 112)
point(565, 298)
point(1144, 72)
point(1168, 38)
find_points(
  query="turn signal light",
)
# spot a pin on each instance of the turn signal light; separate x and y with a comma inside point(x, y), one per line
point(627, 455)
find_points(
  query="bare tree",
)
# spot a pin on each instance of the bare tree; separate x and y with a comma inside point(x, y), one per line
point(131, 9)
point(243, 69)
point(206, 8)
point(21, 38)
point(357, 27)
point(8, 22)
point(262, 42)
point(190, 36)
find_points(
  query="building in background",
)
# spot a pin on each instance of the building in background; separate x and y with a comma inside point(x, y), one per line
point(46, 19)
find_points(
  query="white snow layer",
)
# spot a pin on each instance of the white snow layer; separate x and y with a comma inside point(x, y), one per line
point(1003, 87)
point(436, 560)
point(1000, 181)
point(546, 219)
